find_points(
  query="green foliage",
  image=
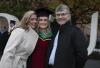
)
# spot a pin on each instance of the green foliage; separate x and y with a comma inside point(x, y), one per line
point(79, 8)
point(14, 7)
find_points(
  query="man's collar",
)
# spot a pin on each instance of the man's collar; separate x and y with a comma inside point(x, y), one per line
point(62, 27)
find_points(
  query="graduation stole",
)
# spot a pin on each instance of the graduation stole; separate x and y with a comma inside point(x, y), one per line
point(45, 36)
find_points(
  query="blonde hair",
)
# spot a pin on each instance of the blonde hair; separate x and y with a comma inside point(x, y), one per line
point(25, 19)
point(47, 30)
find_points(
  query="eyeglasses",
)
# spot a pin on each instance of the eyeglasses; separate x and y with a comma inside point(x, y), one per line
point(62, 14)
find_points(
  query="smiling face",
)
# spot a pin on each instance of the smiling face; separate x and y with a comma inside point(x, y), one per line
point(33, 20)
point(43, 22)
point(62, 17)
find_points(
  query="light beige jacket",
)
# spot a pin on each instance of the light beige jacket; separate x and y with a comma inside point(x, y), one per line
point(19, 46)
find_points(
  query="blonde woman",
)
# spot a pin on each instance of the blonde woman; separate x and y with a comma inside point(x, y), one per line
point(21, 43)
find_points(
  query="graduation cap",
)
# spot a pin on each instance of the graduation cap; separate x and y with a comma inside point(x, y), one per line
point(41, 12)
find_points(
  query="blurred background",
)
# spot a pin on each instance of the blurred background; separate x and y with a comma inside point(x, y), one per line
point(81, 11)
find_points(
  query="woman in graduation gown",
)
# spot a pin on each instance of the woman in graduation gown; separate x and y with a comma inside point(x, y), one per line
point(44, 32)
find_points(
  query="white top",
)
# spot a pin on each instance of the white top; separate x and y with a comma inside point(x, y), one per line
point(52, 56)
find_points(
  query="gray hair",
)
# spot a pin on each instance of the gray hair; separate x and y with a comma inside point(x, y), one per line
point(62, 7)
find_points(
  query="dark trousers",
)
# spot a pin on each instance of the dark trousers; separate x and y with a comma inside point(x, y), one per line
point(50, 66)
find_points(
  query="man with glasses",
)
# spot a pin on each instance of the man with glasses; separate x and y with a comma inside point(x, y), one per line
point(68, 47)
